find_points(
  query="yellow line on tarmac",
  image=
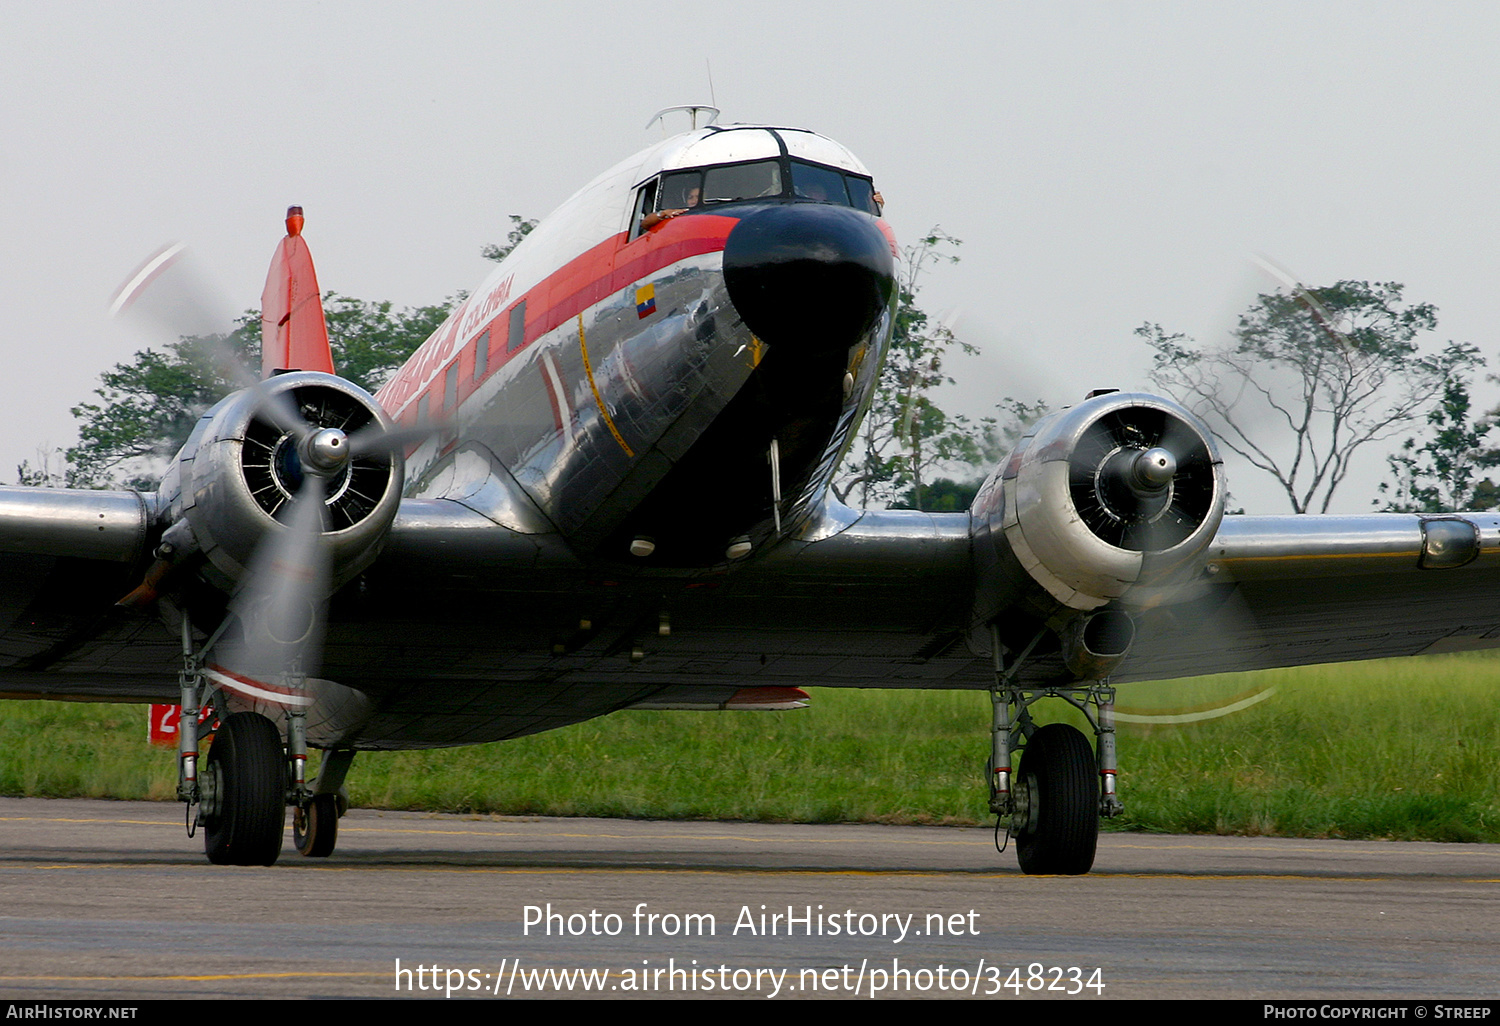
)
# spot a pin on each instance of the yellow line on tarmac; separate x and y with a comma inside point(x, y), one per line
point(66, 819)
point(652, 871)
point(916, 874)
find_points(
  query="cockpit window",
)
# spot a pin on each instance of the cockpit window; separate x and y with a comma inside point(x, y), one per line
point(862, 195)
point(680, 191)
point(823, 184)
point(742, 181)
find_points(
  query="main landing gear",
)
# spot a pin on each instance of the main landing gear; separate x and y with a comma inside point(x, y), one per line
point(251, 776)
point(1054, 803)
point(1056, 807)
point(246, 787)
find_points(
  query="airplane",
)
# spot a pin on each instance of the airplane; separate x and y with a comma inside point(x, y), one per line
point(604, 483)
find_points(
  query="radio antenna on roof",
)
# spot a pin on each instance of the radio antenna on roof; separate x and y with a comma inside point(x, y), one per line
point(692, 109)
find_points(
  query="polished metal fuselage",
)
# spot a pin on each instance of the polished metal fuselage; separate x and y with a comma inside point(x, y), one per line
point(586, 419)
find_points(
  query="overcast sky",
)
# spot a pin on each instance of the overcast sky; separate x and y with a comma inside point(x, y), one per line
point(1104, 164)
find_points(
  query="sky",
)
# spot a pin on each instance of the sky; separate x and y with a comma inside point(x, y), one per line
point(1104, 164)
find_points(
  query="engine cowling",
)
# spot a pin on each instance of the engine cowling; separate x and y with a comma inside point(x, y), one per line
point(235, 479)
point(1123, 491)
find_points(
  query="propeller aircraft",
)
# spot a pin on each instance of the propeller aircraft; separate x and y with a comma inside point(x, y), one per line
point(604, 483)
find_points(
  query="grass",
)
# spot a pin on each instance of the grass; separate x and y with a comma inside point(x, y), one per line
point(1392, 749)
point(1402, 749)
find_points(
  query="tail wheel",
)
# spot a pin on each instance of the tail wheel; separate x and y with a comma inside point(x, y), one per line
point(315, 827)
point(1058, 831)
point(249, 770)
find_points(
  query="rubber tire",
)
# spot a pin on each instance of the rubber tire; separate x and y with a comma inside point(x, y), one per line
point(315, 829)
point(252, 793)
point(1059, 763)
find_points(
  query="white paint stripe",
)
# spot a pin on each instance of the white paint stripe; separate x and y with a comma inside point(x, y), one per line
point(559, 395)
point(256, 691)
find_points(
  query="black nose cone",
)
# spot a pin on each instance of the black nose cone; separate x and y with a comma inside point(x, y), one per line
point(808, 275)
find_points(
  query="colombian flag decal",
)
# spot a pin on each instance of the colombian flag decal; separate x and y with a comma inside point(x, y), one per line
point(645, 301)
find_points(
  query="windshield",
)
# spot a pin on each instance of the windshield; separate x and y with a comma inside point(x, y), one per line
point(742, 181)
point(685, 190)
point(823, 184)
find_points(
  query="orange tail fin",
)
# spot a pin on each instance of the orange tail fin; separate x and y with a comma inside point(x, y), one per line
point(293, 333)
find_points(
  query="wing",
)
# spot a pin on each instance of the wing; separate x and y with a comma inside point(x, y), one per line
point(859, 599)
point(66, 558)
point(897, 599)
point(1291, 590)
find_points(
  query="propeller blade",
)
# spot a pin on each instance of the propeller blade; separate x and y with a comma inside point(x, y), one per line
point(281, 603)
point(280, 409)
point(172, 295)
point(375, 439)
point(170, 292)
point(1169, 634)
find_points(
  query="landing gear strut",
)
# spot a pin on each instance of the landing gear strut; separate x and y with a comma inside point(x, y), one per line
point(241, 792)
point(251, 776)
point(1054, 803)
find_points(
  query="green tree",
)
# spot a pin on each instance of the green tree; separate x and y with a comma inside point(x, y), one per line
point(1486, 495)
point(371, 341)
point(1438, 476)
point(996, 438)
point(1309, 378)
point(145, 409)
point(49, 471)
point(1016, 418)
point(906, 435)
point(943, 495)
point(520, 227)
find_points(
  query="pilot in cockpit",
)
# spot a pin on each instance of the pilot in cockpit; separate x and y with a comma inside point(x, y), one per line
point(690, 197)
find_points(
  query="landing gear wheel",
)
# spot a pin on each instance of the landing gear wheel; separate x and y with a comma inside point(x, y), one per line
point(1058, 828)
point(248, 814)
point(315, 827)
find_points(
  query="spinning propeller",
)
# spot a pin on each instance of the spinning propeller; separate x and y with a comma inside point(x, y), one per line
point(1142, 481)
point(312, 485)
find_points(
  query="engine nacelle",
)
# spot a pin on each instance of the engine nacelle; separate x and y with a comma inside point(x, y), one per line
point(235, 479)
point(1120, 492)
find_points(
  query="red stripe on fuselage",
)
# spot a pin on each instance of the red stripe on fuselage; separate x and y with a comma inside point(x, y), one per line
point(582, 282)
